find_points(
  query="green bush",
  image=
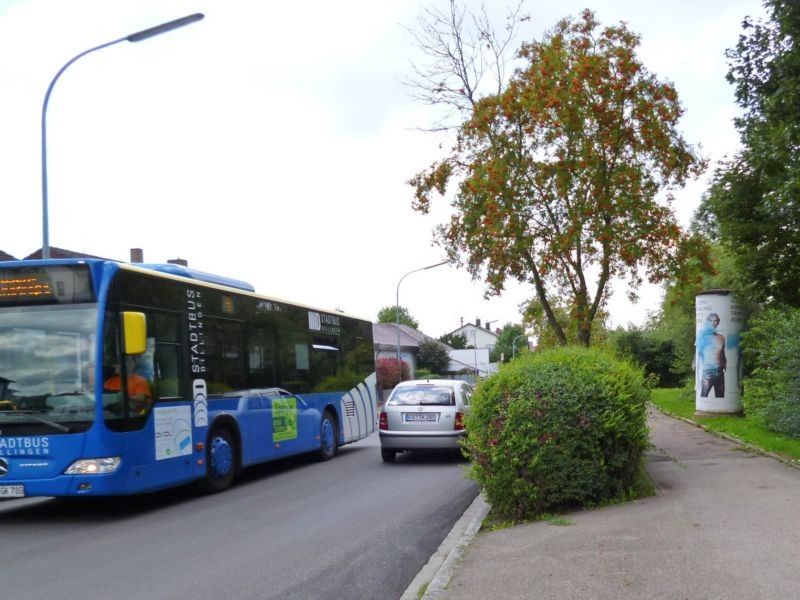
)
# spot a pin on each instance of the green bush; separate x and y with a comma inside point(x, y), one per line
point(557, 427)
point(426, 374)
point(772, 390)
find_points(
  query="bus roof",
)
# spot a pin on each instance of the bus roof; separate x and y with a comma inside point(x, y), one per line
point(182, 271)
point(170, 270)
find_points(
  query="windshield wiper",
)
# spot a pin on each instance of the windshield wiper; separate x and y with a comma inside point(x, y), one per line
point(32, 414)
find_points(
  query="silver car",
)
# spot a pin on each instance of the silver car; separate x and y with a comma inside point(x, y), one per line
point(424, 415)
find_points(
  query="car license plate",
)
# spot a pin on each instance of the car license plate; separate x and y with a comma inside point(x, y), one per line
point(12, 491)
point(421, 417)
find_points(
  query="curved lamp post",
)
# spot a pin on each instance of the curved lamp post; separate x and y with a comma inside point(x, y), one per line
point(514, 344)
point(397, 301)
point(134, 37)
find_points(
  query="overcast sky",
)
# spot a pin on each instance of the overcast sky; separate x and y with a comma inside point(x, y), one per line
point(271, 142)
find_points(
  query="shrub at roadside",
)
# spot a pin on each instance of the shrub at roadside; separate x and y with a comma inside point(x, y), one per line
point(557, 427)
point(772, 391)
point(390, 372)
point(426, 374)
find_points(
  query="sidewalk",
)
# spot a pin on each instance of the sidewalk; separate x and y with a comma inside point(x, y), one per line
point(724, 524)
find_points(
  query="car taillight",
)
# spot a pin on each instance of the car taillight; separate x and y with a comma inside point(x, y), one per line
point(459, 424)
point(384, 421)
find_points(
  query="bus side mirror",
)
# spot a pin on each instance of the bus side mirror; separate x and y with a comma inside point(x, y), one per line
point(134, 332)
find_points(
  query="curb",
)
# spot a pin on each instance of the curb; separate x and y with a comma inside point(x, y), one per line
point(440, 567)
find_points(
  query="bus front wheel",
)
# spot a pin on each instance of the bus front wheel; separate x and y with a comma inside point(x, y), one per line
point(328, 436)
point(220, 460)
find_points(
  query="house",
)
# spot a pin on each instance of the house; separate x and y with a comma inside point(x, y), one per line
point(464, 364)
point(6, 256)
point(477, 336)
point(385, 338)
point(473, 361)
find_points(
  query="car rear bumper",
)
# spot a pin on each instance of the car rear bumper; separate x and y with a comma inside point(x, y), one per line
point(421, 440)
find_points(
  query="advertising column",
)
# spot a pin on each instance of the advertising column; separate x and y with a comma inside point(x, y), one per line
point(717, 353)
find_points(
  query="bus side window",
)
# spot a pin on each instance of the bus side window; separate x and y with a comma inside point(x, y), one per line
point(224, 354)
point(261, 362)
point(167, 355)
point(166, 370)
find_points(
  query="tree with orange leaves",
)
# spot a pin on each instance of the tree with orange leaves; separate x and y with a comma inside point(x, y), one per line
point(563, 178)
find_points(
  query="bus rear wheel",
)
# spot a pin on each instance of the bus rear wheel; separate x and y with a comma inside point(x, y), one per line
point(328, 436)
point(220, 460)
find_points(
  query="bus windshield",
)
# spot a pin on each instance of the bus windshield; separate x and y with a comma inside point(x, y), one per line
point(46, 367)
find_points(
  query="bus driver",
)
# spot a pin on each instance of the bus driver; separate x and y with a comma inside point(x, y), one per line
point(138, 387)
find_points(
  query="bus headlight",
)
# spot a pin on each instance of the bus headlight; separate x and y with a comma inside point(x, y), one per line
point(93, 466)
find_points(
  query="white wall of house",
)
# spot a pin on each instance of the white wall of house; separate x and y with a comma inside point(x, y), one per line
point(477, 336)
point(474, 358)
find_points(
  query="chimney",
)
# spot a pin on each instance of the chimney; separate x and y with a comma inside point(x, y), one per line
point(137, 255)
point(179, 261)
point(488, 325)
point(477, 322)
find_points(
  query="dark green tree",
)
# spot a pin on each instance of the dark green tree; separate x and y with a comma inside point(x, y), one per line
point(676, 320)
point(505, 340)
point(457, 341)
point(650, 350)
point(433, 356)
point(754, 203)
point(388, 314)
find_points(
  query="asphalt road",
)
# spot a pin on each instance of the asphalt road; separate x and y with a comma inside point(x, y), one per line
point(352, 527)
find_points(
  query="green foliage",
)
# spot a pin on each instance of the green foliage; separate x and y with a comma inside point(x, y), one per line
point(753, 203)
point(536, 320)
point(388, 314)
point(426, 374)
point(457, 341)
point(650, 350)
point(559, 175)
point(390, 373)
point(508, 338)
point(559, 426)
point(772, 391)
point(433, 356)
point(676, 321)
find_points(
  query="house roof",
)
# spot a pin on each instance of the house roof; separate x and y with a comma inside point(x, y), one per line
point(6, 256)
point(61, 253)
point(385, 334)
point(472, 326)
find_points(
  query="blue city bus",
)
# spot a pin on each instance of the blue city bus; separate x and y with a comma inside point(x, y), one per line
point(231, 378)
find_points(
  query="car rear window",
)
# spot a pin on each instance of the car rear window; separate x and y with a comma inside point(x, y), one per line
point(438, 395)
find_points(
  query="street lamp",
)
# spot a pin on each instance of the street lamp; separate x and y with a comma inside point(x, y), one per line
point(514, 344)
point(134, 37)
point(397, 302)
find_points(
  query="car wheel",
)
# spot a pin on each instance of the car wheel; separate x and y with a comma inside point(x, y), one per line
point(328, 436)
point(388, 455)
point(220, 460)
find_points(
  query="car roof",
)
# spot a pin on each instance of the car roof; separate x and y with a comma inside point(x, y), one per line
point(416, 382)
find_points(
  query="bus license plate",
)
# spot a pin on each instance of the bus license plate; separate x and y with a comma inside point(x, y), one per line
point(421, 417)
point(12, 491)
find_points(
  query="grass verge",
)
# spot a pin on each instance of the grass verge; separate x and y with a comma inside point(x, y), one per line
point(681, 402)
